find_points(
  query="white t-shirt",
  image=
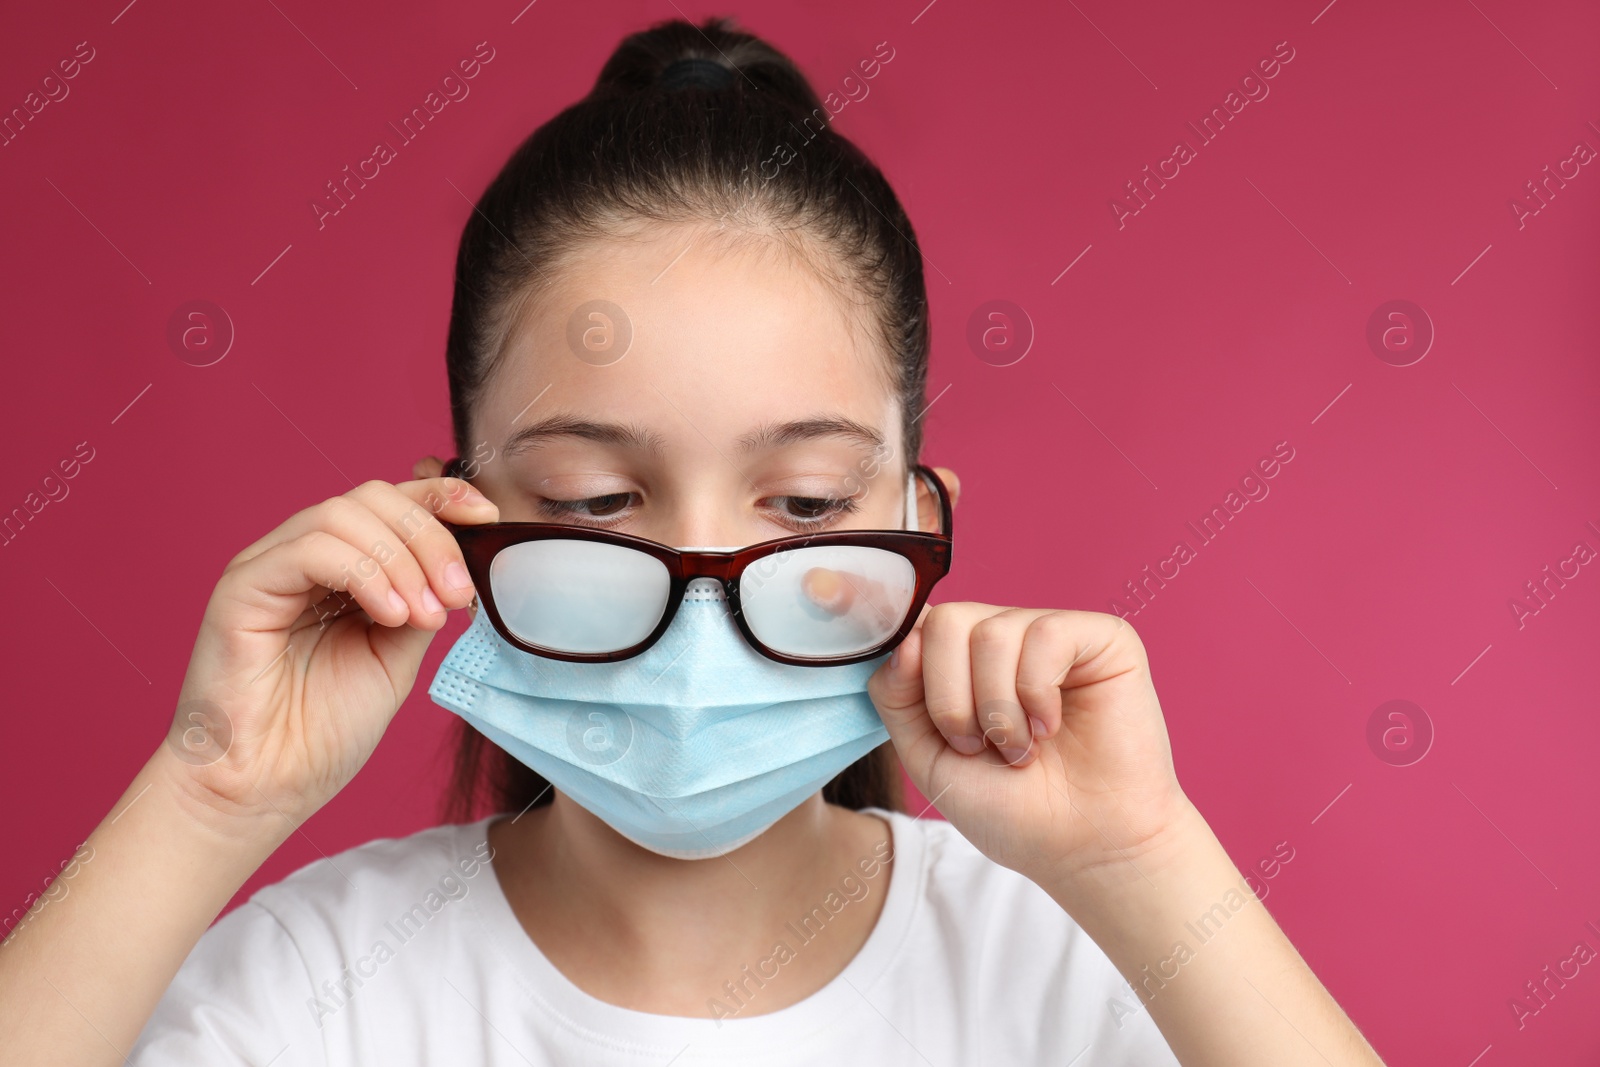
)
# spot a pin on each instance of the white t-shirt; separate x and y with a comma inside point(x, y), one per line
point(405, 951)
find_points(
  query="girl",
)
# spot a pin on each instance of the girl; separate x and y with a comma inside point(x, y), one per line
point(687, 354)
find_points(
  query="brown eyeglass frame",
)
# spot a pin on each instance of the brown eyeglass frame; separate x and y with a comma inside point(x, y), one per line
point(928, 553)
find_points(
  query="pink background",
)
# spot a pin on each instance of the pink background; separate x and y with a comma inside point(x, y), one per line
point(1223, 318)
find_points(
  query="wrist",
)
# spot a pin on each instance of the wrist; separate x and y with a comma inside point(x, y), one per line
point(1152, 913)
point(190, 794)
point(1182, 860)
point(1187, 932)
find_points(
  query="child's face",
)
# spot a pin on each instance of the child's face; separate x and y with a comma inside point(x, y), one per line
point(751, 402)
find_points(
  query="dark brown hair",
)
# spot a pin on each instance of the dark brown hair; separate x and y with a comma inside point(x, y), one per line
point(747, 146)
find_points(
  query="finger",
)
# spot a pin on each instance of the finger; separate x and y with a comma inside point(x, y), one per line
point(829, 589)
point(452, 499)
point(272, 590)
point(897, 692)
point(351, 519)
point(996, 650)
point(896, 686)
point(1066, 649)
point(448, 498)
point(947, 673)
point(423, 544)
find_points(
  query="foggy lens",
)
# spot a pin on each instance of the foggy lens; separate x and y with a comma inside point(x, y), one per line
point(578, 596)
point(827, 600)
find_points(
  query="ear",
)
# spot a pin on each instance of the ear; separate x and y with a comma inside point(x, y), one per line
point(427, 467)
point(928, 504)
point(952, 484)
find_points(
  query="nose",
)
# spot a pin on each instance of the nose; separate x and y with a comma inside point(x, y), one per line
point(691, 516)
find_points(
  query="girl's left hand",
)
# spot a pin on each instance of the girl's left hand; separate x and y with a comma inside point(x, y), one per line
point(1037, 733)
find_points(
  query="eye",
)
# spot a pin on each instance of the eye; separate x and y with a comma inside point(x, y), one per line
point(610, 504)
point(803, 511)
point(811, 507)
point(595, 507)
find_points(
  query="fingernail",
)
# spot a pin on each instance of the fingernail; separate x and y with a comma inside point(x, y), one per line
point(470, 495)
point(456, 575)
point(1014, 755)
point(431, 602)
point(894, 659)
point(967, 746)
point(1036, 724)
point(397, 601)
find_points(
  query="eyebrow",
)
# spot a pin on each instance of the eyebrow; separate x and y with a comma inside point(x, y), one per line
point(606, 433)
point(776, 435)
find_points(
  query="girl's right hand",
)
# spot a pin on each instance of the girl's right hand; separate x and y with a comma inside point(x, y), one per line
point(310, 643)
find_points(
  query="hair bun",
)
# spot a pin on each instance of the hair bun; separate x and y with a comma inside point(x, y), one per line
point(695, 72)
point(677, 54)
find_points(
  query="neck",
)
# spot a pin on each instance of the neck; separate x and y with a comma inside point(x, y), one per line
point(652, 933)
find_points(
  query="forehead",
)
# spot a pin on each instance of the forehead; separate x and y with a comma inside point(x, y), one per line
point(692, 332)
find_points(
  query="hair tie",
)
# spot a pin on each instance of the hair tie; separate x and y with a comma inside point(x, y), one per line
point(695, 72)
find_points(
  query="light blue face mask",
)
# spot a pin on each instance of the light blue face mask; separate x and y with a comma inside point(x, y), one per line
point(690, 749)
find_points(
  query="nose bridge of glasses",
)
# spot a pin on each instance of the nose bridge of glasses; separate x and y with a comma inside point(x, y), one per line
point(714, 563)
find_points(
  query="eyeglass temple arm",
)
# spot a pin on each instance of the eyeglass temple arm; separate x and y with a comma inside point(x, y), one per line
point(937, 487)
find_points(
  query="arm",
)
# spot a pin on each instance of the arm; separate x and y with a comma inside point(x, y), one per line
point(81, 973)
point(1039, 736)
point(1207, 960)
point(288, 691)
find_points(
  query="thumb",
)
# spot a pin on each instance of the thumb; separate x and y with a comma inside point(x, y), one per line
point(400, 649)
point(896, 691)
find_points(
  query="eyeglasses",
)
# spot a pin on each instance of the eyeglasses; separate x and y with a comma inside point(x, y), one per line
point(593, 596)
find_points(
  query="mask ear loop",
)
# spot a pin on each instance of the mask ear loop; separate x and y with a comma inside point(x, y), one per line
point(911, 501)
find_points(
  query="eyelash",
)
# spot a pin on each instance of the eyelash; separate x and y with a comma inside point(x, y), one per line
point(828, 508)
point(571, 510)
point(832, 508)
